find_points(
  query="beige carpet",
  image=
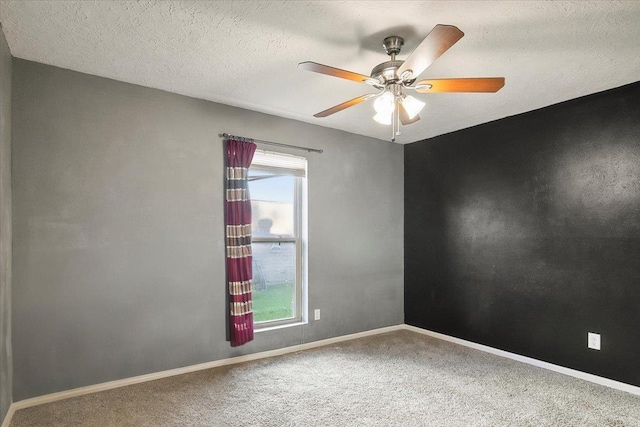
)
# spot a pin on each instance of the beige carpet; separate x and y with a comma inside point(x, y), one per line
point(395, 379)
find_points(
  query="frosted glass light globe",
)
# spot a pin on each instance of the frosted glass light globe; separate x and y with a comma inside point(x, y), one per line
point(384, 103)
point(412, 106)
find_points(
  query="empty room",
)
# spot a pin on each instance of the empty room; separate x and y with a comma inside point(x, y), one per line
point(336, 213)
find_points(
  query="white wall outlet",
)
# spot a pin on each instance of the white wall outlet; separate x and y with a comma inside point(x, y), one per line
point(316, 314)
point(593, 341)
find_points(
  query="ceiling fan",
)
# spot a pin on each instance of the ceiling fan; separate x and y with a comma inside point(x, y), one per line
point(392, 106)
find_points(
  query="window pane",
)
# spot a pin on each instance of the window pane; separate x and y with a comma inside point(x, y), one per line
point(272, 204)
point(274, 280)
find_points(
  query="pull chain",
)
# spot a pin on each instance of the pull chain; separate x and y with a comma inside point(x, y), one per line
point(395, 116)
point(393, 120)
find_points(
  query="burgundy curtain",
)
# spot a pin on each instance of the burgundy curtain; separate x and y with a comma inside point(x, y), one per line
point(237, 209)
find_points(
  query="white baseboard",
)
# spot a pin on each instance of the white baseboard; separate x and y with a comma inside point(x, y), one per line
point(535, 362)
point(47, 398)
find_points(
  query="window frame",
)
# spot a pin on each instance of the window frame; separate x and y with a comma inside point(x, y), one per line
point(300, 314)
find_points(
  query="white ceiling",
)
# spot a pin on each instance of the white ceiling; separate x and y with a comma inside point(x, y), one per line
point(246, 53)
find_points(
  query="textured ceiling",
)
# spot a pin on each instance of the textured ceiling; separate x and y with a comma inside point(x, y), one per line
point(246, 53)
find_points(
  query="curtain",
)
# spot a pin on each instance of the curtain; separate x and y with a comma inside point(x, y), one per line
point(237, 209)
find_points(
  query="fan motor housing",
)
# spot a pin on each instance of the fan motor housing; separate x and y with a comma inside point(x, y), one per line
point(386, 71)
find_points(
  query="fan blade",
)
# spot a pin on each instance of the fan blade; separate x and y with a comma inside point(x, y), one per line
point(404, 116)
point(441, 38)
point(479, 84)
point(331, 71)
point(340, 107)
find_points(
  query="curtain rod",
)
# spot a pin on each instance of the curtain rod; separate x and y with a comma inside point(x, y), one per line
point(296, 147)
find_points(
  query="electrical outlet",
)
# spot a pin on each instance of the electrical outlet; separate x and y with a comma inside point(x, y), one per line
point(593, 340)
point(316, 314)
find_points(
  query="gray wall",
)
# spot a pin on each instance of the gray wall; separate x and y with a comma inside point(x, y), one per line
point(118, 230)
point(5, 226)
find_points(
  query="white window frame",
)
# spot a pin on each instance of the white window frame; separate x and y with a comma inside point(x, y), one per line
point(300, 315)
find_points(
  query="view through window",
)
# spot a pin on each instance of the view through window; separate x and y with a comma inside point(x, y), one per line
point(277, 185)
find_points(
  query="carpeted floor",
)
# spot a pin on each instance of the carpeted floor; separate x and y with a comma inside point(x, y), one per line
point(396, 379)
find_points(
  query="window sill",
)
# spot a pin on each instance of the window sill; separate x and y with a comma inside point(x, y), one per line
point(273, 328)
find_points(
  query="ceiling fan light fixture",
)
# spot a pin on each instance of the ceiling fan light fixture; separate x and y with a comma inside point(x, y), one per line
point(412, 105)
point(384, 118)
point(392, 77)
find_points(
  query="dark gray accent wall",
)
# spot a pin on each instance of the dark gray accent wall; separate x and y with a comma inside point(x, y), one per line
point(5, 228)
point(524, 234)
point(118, 230)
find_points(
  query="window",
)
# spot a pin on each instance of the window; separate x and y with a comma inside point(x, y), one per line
point(277, 186)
